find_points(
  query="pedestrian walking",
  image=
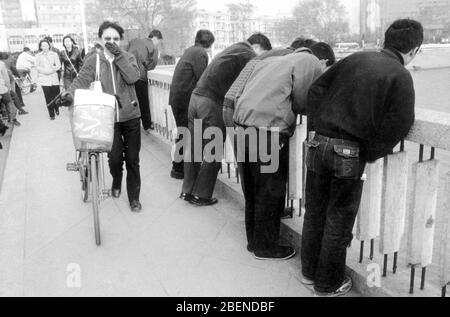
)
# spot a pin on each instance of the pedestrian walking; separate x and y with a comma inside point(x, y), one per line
point(271, 100)
point(146, 53)
point(187, 73)
point(118, 74)
point(49, 39)
point(48, 64)
point(206, 105)
point(71, 61)
point(360, 110)
point(5, 93)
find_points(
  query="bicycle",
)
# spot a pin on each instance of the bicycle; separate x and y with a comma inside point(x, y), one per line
point(90, 166)
point(26, 84)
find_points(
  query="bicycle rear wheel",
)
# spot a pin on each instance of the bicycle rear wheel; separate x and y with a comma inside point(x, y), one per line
point(95, 196)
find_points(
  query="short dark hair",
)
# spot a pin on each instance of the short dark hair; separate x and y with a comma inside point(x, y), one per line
point(324, 51)
point(110, 25)
point(155, 33)
point(48, 39)
point(404, 35)
point(261, 39)
point(26, 49)
point(205, 38)
point(4, 56)
point(43, 41)
point(302, 42)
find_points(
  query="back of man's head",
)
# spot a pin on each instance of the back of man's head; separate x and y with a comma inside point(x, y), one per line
point(261, 40)
point(323, 51)
point(302, 42)
point(404, 35)
point(156, 33)
point(26, 49)
point(205, 38)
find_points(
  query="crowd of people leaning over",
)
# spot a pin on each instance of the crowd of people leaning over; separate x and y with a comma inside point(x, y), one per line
point(358, 109)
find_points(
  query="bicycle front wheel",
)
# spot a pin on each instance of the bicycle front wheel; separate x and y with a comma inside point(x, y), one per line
point(95, 196)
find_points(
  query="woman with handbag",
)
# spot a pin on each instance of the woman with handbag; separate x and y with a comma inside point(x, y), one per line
point(118, 72)
point(48, 64)
point(71, 60)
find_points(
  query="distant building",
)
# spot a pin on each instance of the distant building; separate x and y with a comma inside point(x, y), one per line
point(230, 29)
point(11, 12)
point(434, 15)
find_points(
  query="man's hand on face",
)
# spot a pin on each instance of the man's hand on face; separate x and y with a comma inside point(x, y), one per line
point(113, 48)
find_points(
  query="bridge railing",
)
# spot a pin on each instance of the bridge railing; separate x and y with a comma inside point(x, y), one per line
point(404, 216)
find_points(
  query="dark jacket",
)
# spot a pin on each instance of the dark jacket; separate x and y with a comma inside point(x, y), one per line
point(146, 55)
point(223, 71)
point(126, 74)
point(75, 59)
point(367, 97)
point(187, 73)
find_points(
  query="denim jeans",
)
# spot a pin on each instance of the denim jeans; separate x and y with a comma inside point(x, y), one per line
point(333, 195)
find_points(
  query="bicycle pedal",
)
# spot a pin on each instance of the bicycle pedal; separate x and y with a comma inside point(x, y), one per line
point(72, 167)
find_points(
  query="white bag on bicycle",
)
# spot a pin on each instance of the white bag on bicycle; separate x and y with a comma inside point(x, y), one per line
point(93, 117)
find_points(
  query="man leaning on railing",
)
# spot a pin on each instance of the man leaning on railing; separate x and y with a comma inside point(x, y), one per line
point(360, 109)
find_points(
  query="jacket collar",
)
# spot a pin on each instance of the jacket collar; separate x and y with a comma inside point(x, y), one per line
point(392, 52)
point(303, 50)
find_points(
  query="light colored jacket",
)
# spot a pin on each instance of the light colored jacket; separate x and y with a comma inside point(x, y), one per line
point(25, 61)
point(146, 55)
point(5, 84)
point(276, 92)
point(117, 78)
point(47, 65)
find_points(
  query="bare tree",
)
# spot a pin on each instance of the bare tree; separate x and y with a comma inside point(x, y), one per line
point(241, 13)
point(324, 19)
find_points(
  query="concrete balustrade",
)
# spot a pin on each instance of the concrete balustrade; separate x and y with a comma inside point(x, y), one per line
point(368, 222)
point(393, 208)
point(383, 212)
point(423, 216)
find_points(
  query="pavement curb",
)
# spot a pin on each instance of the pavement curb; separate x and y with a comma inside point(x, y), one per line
point(4, 153)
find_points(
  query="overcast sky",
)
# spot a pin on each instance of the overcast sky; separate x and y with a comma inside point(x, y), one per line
point(266, 7)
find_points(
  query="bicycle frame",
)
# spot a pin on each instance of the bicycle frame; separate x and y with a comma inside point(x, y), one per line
point(90, 166)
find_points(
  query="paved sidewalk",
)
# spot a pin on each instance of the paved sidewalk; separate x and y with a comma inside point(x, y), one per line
point(171, 249)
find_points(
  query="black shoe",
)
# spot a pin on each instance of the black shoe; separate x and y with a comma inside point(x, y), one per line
point(250, 248)
point(177, 175)
point(135, 206)
point(3, 130)
point(186, 197)
point(115, 193)
point(287, 213)
point(281, 253)
point(202, 202)
point(52, 118)
point(57, 113)
point(343, 290)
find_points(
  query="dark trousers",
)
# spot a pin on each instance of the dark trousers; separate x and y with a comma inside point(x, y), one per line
point(264, 196)
point(50, 93)
point(144, 103)
point(17, 101)
point(9, 106)
point(200, 177)
point(181, 117)
point(126, 147)
point(333, 195)
point(19, 93)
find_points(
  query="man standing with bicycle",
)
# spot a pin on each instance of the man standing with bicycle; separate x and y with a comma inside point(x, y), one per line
point(118, 73)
